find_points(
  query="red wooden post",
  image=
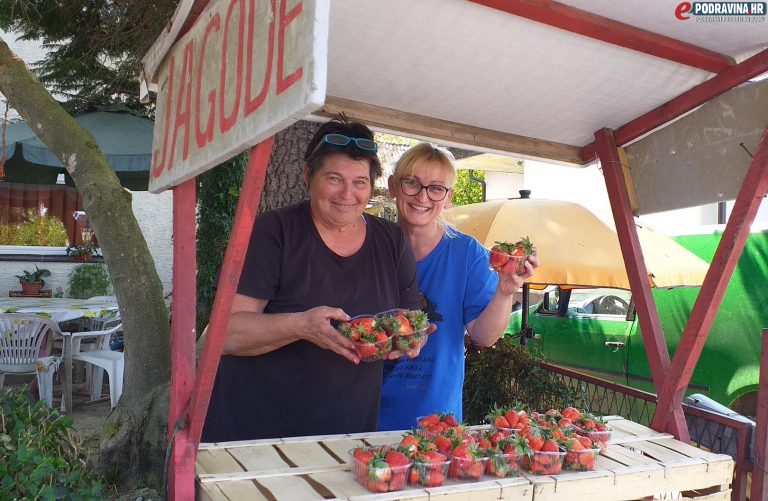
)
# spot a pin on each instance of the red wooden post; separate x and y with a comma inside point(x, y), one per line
point(615, 32)
point(637, 273)
point(752, 191)
point(189, 403)
point(247, 208)
point(759, 484)
point(183, 320)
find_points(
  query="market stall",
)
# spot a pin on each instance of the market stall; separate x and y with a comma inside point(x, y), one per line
point(637, 462)
point(567, 82)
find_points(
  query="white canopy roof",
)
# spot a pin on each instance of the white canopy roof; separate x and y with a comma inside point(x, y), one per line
point(466, 73)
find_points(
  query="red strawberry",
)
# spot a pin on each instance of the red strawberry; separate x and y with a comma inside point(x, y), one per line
point(435, 457)
point(512, 418)
point(550, 446)
point(443, 444)
point(367, 323)
point(428, 421)
point(409, 445)
point(362, 455)
point(396, 459)
point(449, 419)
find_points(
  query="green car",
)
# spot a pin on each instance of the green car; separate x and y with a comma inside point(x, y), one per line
point(596, 330)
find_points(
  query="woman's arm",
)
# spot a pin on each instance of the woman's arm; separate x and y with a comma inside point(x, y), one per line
point(487, 328)
point(252, 332)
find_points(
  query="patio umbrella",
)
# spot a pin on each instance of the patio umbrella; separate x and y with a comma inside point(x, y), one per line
point(124, 137)
point(575, 246)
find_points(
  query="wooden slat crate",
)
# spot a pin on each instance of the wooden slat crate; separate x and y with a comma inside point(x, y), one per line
point(637, 463)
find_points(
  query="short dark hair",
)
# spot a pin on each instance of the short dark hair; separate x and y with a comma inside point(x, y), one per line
point(341, 125)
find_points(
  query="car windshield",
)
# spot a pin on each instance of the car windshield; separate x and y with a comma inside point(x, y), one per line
point(599, 301)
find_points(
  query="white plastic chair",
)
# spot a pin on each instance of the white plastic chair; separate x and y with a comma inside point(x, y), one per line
point(92, 347)
point(21, 339)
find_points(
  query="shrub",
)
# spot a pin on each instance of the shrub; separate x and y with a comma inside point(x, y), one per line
point(37, 229)
point(88, 280)
point(506, 374)
point(40, 457)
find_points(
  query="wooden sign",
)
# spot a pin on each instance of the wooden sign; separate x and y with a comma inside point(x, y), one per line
point(244, 71)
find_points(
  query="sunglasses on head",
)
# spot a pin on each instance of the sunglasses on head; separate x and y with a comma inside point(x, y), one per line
point(341, 140)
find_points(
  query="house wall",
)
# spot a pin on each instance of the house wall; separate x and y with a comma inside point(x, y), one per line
point(154, 214)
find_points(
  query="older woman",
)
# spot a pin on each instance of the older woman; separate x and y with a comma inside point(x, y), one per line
point(285, 370)
point(459, 292)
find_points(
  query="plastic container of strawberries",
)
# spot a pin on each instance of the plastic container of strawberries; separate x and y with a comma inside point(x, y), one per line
point(544, 462)
point(430, 434)
point(467, 469)
point(599, 437)
point(378, 478)
point(368, 351)
point(500, 464)
point(405, 342)
point(429, 474)
point(508, 432)
point(580, 460)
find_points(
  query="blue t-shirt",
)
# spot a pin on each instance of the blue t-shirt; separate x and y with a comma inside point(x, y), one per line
point(456, 285)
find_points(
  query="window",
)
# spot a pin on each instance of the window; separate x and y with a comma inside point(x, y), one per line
point(32, 214)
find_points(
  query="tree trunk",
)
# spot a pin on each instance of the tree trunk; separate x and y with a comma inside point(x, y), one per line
point(284, 184)
point(136, 283)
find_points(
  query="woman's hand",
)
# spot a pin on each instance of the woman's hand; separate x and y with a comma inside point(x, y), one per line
point(510, 281)
point(315, 326)
point(395, 354)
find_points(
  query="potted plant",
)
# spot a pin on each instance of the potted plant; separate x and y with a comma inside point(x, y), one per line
point(88, 280)
point(32, 281)
point(83, 252)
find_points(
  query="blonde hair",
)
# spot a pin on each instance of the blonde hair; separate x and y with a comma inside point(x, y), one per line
point(426, 152)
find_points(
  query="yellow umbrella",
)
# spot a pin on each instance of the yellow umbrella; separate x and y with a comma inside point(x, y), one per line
point(575, 246)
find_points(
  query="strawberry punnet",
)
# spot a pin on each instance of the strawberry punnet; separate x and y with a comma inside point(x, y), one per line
point(518, 252)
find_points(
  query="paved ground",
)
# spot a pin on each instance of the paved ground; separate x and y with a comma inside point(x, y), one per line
point(89, 416)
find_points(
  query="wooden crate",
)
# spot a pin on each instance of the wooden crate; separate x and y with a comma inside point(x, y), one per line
point(638, 462)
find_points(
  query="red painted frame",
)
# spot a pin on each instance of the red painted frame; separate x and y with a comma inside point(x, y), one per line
point(637, 273)
point(614, 32)
point(190, 404)
point(188, 408)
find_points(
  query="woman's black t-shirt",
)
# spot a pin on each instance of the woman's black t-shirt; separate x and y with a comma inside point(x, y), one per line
point(302, 389)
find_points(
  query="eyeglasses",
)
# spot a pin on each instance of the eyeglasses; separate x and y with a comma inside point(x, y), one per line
point(341, 140)
point(435, 192)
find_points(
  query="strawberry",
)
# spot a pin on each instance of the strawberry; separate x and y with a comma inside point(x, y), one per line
point(501, 422)
point(512, 418)
point(504, 252)
point(571, 413)
point(443, 444)
point(377, 486)
point(428, 421)
point(365, 323)
point(435, 457)
point(550, 446)
point(396, 459)
point(449, 419)
point(418, 319)
point(409, 445)
point(379, 470)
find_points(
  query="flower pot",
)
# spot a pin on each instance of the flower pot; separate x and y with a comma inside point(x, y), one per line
point(85, 258)
point(31, 288)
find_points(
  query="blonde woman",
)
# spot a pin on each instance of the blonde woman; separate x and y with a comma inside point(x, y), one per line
point(458, 290)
